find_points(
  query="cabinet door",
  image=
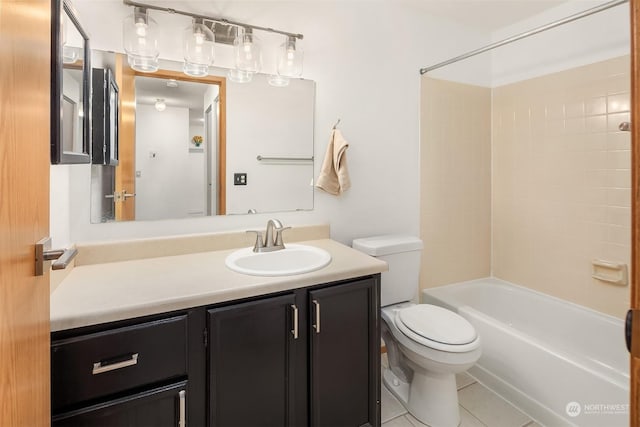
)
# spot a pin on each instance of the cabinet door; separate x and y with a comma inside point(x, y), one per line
point(345, 354)
point(252, 352)
point(160, 407)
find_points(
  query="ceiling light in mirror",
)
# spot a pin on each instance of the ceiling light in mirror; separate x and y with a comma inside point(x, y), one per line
point(198, 49)
point(160, 104)
point(140, 35)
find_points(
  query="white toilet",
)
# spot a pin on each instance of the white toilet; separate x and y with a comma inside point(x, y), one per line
point(426, 344)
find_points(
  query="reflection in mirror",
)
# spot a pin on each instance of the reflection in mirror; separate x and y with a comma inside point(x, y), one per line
point(70, 123)
point(194, 146)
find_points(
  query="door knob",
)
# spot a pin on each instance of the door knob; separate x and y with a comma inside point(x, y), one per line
point(61, 257)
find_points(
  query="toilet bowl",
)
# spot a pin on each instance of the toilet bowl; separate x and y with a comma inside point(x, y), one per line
point(426, 344)
point(423, 362)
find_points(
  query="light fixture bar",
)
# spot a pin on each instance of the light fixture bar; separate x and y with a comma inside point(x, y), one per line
point(210, 18)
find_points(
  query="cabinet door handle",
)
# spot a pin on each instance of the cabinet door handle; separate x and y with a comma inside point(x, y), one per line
point(99, 368)
point(182, 422)
point(317, 310)
point(294, 331)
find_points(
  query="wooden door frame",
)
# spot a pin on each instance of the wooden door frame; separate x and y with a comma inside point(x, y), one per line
point(634, 402)
point(25, 136)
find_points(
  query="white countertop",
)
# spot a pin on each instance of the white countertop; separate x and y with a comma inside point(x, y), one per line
point(99, 293)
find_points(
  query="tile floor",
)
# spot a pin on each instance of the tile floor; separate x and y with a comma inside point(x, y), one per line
point(479, 407)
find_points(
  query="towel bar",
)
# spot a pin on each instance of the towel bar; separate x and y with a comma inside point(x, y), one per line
point(292, 159)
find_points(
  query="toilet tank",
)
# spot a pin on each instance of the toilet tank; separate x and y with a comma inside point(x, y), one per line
point(402, 253)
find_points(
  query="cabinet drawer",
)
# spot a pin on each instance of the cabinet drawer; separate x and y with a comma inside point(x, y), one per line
point(104, 363)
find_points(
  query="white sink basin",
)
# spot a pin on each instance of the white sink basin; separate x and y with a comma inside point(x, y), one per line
point(294, 259)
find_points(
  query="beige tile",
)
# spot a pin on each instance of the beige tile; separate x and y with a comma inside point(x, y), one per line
point(401, 421)
point(596, 106)
point(468, 420)
point(596, 123)
point(618, 103)
point(391, 407)
point(414, 422)
point(456, 177)
point(463, 380)
point(533, 424)
point(489, 408)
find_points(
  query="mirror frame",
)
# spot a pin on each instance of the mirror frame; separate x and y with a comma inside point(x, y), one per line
point(58, 155)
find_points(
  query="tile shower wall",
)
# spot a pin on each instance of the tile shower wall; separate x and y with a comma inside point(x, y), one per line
point(455, 182)
point(561, 182)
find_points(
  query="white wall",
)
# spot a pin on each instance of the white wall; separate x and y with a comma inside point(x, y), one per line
point(162, 146)
point(364, 57)
point(195, 175)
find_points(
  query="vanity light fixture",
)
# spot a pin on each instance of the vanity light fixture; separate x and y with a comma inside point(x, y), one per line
point(290, 58)
point(140, 35)
point(248, 50)
point(160, 104)
point(278, 81)
point(198, 49)
point(141, 45)
point(239, 76)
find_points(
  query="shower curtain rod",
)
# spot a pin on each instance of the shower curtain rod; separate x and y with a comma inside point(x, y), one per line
point(512, 39)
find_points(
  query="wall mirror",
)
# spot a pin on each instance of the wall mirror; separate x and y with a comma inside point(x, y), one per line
point(70, 87)
point(191, 147)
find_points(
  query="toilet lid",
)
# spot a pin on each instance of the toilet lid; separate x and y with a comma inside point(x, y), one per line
point(437, 324)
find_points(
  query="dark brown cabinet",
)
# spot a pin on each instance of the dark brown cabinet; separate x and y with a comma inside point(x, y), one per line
point(160, 407)
point(139, 372)
point(344, 355)
point(306, 357)
point(252, 374)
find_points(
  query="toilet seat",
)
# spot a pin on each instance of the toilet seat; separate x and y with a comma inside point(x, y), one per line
point(436, 327)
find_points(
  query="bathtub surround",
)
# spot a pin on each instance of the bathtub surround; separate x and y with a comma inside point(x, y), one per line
point(562, 182)
point(556, 182)
point(455, 193)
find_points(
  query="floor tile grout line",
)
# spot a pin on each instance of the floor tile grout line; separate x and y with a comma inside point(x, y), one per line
point(467, 385)
point(394, 418)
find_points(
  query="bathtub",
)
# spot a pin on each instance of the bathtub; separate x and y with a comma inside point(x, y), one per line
point(561, 363)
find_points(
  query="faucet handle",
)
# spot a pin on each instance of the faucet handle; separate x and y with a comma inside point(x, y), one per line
point(279, 231)
point(259, 242)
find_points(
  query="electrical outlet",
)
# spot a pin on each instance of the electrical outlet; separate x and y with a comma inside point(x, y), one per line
point(239, 179)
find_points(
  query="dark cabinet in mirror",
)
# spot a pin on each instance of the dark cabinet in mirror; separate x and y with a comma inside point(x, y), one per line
point(70, 87)
point(104, 113)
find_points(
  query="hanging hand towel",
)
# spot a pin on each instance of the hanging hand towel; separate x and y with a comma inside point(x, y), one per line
point(334, 175)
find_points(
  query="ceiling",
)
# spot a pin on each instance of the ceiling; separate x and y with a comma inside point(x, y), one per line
point(488, 15)
point(186, 94)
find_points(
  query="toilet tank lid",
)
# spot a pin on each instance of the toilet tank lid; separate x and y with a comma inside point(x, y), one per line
point(387, 244)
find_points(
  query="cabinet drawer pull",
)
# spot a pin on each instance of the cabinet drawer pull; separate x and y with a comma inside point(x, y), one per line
point(182, 422)
point(99, 368)
point(294, 331)
point(317, 310)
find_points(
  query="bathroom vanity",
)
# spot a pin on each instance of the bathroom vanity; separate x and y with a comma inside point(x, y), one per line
point(237, 350)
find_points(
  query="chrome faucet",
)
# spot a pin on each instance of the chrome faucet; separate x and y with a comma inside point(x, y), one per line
point(270, 243)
